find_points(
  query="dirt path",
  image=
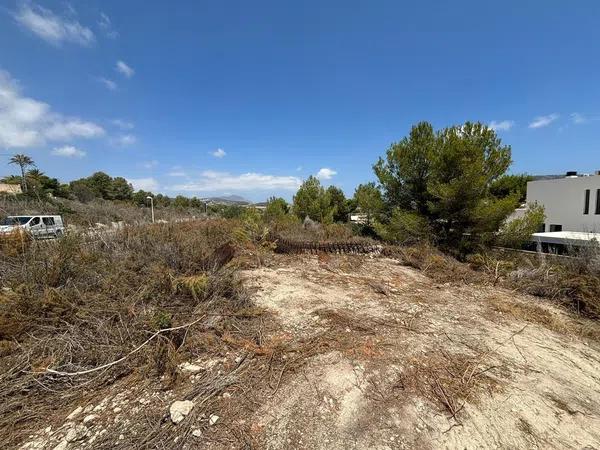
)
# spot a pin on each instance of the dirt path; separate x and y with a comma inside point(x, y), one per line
point(413, 364)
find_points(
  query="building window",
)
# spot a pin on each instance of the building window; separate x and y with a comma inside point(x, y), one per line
point(597, 201)
point(586, 205)
point(542, 228)
point(554, 227)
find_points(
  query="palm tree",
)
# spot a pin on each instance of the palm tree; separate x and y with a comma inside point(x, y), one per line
point(22, 161)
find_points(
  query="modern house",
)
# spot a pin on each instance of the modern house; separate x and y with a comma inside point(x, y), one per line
point(572, 207)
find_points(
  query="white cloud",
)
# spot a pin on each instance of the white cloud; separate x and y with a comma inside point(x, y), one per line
point(105, 25)
point(219, 153)
point(144, 184)
point(109, 84)
point(68, 129)
point(325, 173)
point(543, 121)
point(51, 27)
point(122, 124)
point(124, 140)
point(580, 119)
point(503, 125)
point(299, 168)
point(124, 69)
point(25, 122)
point(222, 181)
point(177, 173)
point(150, 164)
point(68, 151)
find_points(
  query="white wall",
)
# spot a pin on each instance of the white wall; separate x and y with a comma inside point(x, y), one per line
point(563, 200)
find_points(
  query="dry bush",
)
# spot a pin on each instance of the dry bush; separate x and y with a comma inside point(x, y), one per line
point(440, 267)
point(336, 232)
point(94, 212)
point(72, 305)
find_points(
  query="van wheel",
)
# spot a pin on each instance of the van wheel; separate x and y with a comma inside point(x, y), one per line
point(58, 234)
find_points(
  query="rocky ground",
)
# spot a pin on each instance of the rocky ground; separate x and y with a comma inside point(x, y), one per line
point(425, 365)
point(362, 352)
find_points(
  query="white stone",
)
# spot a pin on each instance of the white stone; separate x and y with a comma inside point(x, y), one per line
point(197, 432)
point(75, 413)
point(226, 395)
point(180, 409)
point(190, 368)
point(62, 445)
point(117, 410)
point(89, 418)
point(76, 433)
point(213, 419)
point(121, 437)
point(48, 429)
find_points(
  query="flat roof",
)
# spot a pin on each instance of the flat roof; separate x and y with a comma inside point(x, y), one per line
point(566, 237)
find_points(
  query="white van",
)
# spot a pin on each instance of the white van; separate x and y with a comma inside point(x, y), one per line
point(40, 227)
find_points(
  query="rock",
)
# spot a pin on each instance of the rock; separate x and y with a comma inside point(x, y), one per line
point(121, 437)
point(197, 432)
point(117, 410)
point(226, 395)
point(239, 359)
point(48, 429)
point(75, 413)
point(189, 367)
point(213, 419)
point(180, 409)
point(88, 408)
point(62, 445)
point(90, 418)
point(76, 433)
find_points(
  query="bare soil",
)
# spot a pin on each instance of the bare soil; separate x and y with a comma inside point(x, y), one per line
point(410, 363)
point(355, 351)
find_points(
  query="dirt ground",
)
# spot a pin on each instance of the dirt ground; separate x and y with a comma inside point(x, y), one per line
point(414, 364)
point(355, 351)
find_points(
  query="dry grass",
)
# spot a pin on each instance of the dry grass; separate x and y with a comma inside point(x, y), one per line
point(548, 317)
point(94, 212)
point(70, 307)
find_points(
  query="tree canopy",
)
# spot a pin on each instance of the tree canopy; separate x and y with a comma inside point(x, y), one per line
point(444, 177)
point(312, 200)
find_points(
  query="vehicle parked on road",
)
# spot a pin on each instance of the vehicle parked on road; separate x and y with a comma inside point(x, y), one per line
point(38, 226)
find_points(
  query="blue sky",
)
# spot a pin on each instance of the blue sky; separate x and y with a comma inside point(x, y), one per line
point(249, 98)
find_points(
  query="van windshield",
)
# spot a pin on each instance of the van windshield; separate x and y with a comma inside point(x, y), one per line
point(18, 220)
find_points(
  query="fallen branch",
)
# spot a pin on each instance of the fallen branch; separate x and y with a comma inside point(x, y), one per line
point(113, 363)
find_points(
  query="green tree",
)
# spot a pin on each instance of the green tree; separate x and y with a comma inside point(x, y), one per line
point(517, 232)
point(276, 209)
point(339, 203)
point(120, 189)
point(23, 161)
point(445, 177)
point(508, 185)
point(140, 198)
point(181, 202)
point(81, 191)
point(368, 199)
point(313, 201)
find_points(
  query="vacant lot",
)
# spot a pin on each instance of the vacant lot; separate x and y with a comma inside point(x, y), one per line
point(278, 351)
point(408, 363)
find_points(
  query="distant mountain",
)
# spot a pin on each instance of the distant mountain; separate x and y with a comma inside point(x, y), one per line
point(229, 200)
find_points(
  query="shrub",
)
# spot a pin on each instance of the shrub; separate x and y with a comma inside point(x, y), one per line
point(403, 228)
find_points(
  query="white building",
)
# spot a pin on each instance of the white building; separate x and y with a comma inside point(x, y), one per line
point(571, 203)
point(572, 207)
